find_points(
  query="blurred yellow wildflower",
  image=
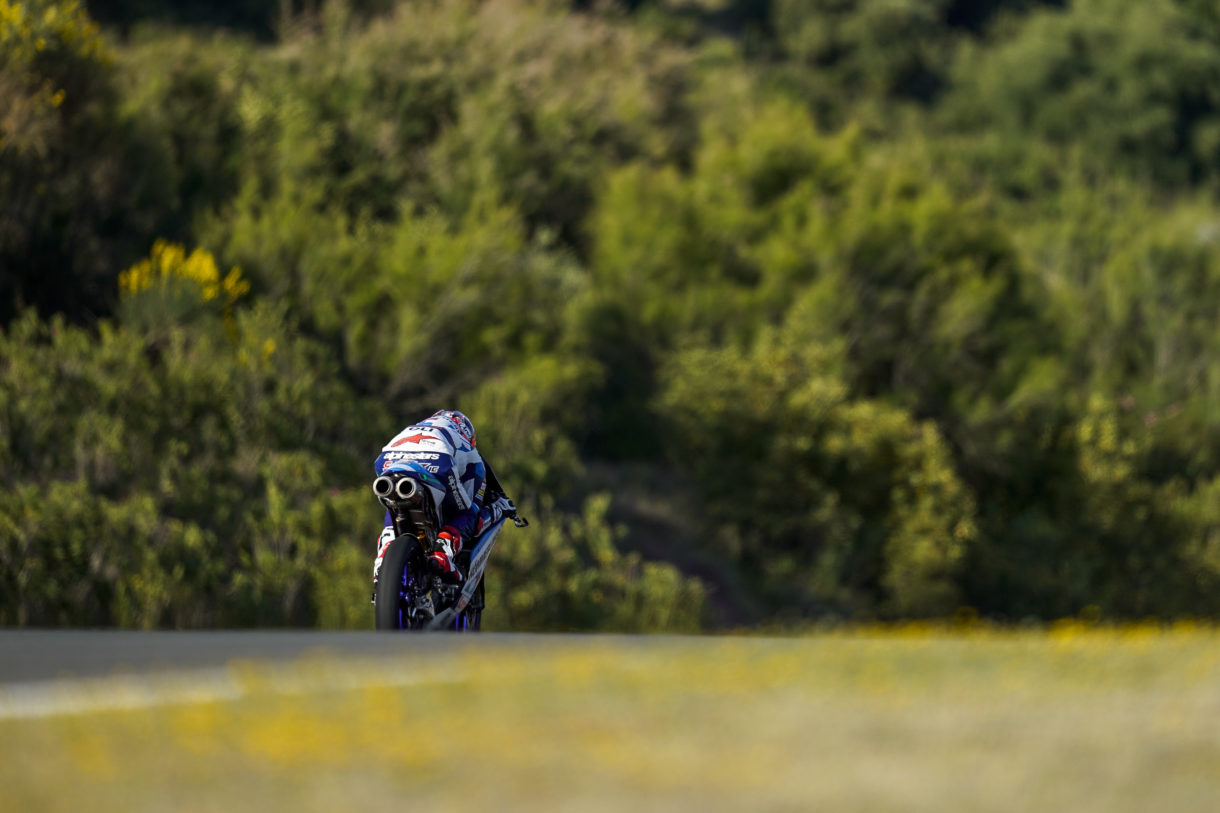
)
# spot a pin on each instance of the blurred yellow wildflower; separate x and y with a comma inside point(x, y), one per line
point(62, 24)
point(169, 264)
point(34, 35)
point(12, 20)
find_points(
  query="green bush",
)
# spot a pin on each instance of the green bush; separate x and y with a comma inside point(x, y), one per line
point(565, 573)
point(1135, 85)
point(836, 504)
point(200, 480)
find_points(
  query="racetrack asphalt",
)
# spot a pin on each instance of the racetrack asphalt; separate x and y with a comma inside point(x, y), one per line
point(29, 655)
point(39, 654)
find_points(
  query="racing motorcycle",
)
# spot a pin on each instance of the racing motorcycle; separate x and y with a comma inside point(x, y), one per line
point(408, 594)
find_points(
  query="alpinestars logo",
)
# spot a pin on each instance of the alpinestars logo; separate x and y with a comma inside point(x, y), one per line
point(411, 456)
point(458, 494)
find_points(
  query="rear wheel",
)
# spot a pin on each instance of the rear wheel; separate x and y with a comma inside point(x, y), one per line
point(399, 581)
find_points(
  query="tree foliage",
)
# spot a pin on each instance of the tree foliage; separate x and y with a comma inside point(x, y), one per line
point(911, 305)
point(78, 185)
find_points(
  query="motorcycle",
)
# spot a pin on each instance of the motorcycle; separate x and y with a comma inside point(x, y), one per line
point(407, 592)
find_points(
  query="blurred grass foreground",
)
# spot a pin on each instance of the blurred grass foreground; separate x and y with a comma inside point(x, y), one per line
point(911, 718)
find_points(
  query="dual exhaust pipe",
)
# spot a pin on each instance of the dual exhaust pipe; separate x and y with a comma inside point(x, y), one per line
point(402, 488)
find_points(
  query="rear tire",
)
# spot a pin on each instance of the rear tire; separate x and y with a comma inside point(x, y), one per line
point(402, 562)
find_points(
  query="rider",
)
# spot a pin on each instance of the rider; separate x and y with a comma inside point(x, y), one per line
point(439, 453)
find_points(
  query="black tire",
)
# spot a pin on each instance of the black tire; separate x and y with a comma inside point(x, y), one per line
point(402, 561)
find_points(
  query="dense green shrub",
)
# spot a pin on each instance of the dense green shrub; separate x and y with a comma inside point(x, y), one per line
point(200, 478)
point(1136, 84)
point(565, 573)
point(845, 505)
point(894, 49)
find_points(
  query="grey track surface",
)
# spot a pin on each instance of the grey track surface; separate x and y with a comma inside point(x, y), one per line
point(32, 655)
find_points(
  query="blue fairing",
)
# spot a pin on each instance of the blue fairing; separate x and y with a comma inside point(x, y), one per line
point(433, 472)
point(455, 508)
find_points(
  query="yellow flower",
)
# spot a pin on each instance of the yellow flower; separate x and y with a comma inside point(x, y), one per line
point(170, 264)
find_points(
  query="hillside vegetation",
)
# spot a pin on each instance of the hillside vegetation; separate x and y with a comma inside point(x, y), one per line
point(764, 311)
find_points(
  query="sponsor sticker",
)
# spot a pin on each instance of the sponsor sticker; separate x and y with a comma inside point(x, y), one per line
point(416, 438)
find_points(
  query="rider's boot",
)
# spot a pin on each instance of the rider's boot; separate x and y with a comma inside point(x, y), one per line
point(449, 543)
point(383, 542)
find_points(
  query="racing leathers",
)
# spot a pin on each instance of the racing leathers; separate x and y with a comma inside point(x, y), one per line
point(443, 459)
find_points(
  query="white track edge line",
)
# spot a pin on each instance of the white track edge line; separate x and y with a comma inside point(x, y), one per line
point(75, 696)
